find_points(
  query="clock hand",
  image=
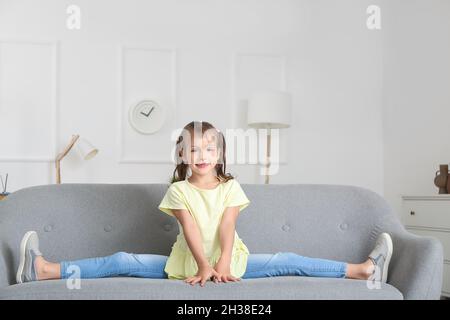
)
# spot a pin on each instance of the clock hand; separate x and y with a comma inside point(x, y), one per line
point(147, 114)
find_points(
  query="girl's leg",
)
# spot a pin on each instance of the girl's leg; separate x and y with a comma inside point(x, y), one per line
point(46, 270)
point(33, 266)
point(289, 263)
point(118, 264)
point(361, 270)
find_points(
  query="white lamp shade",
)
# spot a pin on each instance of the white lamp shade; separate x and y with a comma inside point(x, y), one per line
point(85, 149)
point(270, 110)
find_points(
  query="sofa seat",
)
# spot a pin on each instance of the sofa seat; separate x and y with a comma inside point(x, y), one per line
point(285, 287)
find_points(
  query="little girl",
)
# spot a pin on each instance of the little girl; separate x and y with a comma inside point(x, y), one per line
point(206, 203)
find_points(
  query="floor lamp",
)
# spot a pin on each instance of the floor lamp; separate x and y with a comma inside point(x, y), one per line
point(85, 149)
point(269, 110)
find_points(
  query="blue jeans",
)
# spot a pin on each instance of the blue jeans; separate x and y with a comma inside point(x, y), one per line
point(259, 265)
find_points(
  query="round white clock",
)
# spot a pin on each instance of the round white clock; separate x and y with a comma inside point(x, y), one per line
point(147, 116)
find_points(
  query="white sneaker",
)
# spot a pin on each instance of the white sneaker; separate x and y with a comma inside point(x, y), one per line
point(381, 256)
point(29, 250)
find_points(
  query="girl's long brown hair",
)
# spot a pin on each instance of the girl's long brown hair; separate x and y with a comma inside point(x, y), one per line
point(179, 174)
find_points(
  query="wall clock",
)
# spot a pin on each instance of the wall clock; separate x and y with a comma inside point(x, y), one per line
point(147, 116)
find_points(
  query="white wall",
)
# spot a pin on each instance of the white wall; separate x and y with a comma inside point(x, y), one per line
point(320, 51)
point(416, 96)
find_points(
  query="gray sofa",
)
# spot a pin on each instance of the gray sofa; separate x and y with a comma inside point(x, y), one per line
point(327, 221)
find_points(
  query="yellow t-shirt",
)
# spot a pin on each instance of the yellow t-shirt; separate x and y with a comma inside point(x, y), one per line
point(207, 207)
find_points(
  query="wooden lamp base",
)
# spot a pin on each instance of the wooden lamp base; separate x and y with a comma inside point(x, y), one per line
point(3, 196)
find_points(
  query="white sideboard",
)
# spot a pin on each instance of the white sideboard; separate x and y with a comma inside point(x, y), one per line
point(430, 216)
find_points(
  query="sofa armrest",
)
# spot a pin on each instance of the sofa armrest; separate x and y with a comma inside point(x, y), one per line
point(4, 270)
point(416, 267)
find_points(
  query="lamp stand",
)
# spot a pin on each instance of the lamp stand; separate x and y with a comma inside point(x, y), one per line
point(62, 155)
point(268, 156)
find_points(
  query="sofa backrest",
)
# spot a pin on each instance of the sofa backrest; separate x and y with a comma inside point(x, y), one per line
point(85, 220)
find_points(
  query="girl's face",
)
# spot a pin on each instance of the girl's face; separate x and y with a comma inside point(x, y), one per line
point(203, 155)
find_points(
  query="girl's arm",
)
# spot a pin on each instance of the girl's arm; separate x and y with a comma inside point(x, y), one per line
point(192, 235)
point(227, 231)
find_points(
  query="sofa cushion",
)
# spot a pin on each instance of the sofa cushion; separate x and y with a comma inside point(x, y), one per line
point(274, 288)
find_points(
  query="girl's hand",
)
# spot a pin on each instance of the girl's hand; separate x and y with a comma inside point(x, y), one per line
point(224, 274)
point(203, 275)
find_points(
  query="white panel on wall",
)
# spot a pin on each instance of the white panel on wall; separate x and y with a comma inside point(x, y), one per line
point(146, 73)
point(253, 72)
point(28, 101)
